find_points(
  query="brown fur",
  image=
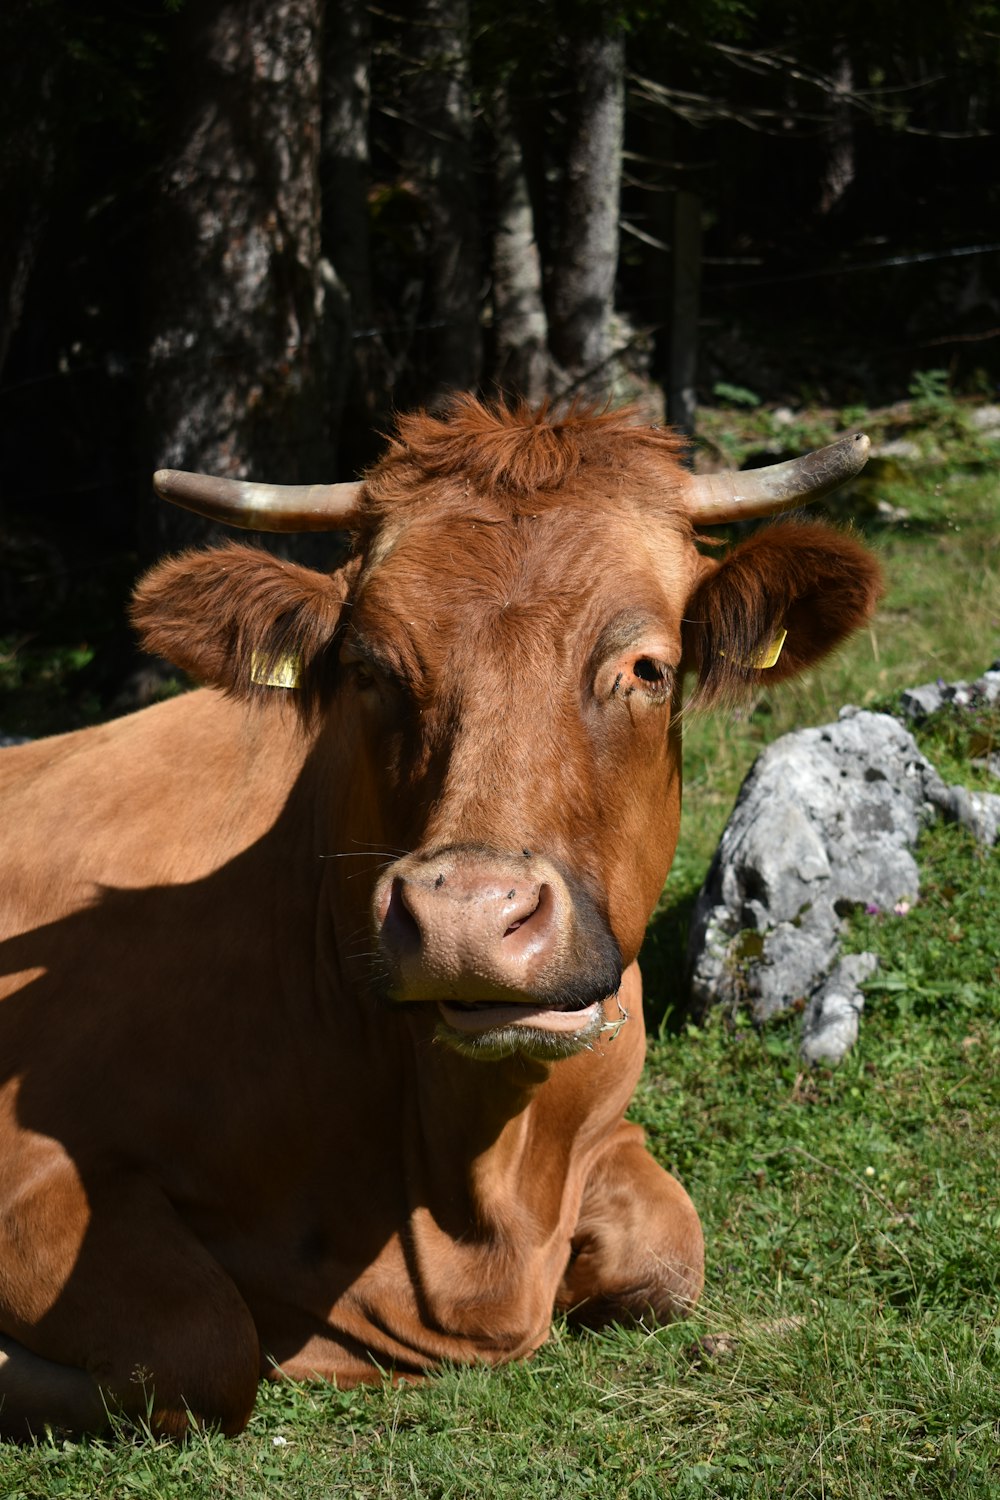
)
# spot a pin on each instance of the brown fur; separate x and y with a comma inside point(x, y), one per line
point(520, 460)
point(816, 583)
point(217, 614)
point(232, 1142)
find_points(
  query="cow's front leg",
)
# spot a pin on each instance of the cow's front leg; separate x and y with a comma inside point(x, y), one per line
point(109, 1303)
point(638, 1250)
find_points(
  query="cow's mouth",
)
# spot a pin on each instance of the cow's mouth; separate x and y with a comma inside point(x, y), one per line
point(476, 1016)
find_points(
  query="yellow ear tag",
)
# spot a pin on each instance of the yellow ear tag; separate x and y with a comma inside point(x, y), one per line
point(766, 657)
point(769, 656)
point(280, 672)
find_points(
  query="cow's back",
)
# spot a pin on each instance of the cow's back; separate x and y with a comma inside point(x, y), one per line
point(137, 942)
point(162, 796)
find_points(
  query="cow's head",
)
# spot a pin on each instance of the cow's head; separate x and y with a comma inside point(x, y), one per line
point(496, 673)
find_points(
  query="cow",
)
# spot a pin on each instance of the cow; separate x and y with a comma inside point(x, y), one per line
point(320, 1005)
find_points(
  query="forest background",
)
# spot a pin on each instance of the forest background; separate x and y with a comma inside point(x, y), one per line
point(238, 236)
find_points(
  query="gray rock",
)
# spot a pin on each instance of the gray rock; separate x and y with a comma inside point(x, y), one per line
point(830, 1023)
point(826, 821)
point(986, 419)
point(987, 687)
point(791, 957)
point(898, 448)
point(920, 702)
point(892, 512)
point(979, 812)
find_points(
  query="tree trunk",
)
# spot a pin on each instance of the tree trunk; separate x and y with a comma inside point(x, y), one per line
point(236, 342)
point(838, 173)
point(362, 395)
point(437, 158)
point(581, 297)
point(521, 358)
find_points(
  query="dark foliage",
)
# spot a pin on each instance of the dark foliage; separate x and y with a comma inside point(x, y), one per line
point(844, 161)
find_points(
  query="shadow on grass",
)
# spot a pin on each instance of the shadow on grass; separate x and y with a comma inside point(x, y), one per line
point(663, 960)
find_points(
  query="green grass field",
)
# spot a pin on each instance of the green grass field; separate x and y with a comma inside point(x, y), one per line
point(848, 1343)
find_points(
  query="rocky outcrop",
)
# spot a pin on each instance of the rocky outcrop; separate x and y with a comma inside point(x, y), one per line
point(919, 703)
point(826, 821)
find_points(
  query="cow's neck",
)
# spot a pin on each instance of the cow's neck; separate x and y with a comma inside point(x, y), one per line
point(477, 1134)
point(482, 1165)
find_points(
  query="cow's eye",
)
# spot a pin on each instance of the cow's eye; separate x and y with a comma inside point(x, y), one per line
point(361, 669)
point(645, 677)
point(651, 676)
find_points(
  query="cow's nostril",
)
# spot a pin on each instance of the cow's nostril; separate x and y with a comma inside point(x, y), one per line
point(538, 918)
point(521, 921)
point(400, 928)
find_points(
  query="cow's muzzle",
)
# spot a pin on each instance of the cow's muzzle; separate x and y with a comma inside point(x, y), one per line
point(496, 940)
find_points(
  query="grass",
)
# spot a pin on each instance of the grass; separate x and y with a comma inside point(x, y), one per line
point(851, 1216)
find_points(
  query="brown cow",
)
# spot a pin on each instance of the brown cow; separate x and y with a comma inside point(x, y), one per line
point(321, 1004)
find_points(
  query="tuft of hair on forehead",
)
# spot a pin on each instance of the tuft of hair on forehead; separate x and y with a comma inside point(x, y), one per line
point(521, 457)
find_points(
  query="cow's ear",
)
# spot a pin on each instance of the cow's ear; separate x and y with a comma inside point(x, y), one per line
point(800, 587)
point(240, 619)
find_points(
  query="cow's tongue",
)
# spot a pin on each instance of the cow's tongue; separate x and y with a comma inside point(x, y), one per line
point(486, 1015)
point(527, 1005)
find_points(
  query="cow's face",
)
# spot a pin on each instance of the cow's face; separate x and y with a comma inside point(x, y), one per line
point(515, 680)
point(497, 678)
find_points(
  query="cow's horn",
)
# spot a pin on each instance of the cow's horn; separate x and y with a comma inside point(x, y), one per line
point(260, 507)
point(742, 496)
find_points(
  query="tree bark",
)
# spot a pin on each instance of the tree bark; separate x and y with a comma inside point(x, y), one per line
point(838, 172)
point(360, 392)
point(437, 158)
point(581, 296)
point(522, 364)
point(236, 356)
